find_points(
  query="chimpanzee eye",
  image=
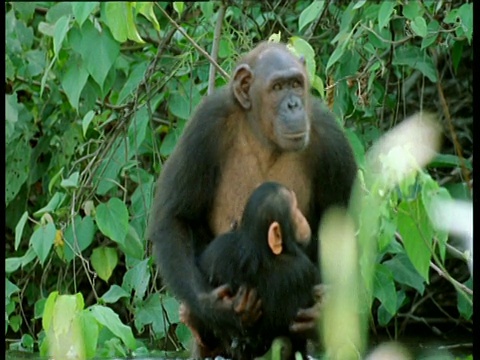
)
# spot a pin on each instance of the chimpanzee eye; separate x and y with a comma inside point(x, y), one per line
point(277, 87)
point(296, 84)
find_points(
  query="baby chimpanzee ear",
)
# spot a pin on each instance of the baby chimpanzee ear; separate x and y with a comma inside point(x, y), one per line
point(275, 238)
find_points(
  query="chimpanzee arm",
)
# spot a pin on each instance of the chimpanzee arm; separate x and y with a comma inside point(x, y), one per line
point(179, 225)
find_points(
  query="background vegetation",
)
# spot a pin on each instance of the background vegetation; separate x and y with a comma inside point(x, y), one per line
point(97, 95)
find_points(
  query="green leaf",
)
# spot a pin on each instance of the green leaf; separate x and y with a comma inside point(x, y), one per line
point(336, 55)
point(357, 146)
point(112, 219)
point(179, 105)
point(114, 294)
point(108, 318)
point(66, 309)
point(81, 10)
point(137, 279)
point(19, 229)
point(46, 28)
point(184, 334)
point(412, 9)
point(388, 227)
point(384, 288)
point(417, 232)
point(10, 288)
point(170, 140)
point(90, 330)
point(359, 4)
point(449, 161)
point(48, 310)
point(71, 182)
point(17, 168)
point(178, 6)
point(465, 301)
point(132, 82)
point(143, 315)
point(39, 308)
point(318, 85)
point(310, 13)
point(42, 240)
point(87, 119)
point(59, 33)
point(465, 13)
point(146, 9)
point(419, 26)
point(171, 306)
point(432, 28)
point(74, 80)
point(385, 13)
point(53, 204)
point(119, 18)
point(58, 10)
point(404, 272)
point(384, 316)
point(417, 59)
point(431, 193)
point(99, 62)
point(13, 263)
point(138, 129)
point(12, 108)
point(451, 17)
point(84, 231)
point(340, 49)
point(104, 260)
point(64, 333)
point(106, 174)
point(133, 244)
point(303, 48)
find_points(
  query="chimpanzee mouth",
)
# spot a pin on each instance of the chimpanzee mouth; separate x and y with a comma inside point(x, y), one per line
point(295, 136)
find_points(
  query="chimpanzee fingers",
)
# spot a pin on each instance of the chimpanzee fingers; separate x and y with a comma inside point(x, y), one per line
point(247, 305)
point(240, 300)
point(304, 326)
point(257, 310)
point(309, 314)
point(319, 291)
point(222, 292)
point(252, 299)
point(252, 314)
point(183, 312)
point(253, 308)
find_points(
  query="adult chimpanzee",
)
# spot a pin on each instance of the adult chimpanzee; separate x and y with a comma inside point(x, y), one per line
point(264, 126)
point(264, 253)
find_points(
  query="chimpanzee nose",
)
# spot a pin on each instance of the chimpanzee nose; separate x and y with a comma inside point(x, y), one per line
point(293, 103)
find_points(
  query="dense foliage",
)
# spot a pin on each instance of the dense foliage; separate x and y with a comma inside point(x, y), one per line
point(97, 95)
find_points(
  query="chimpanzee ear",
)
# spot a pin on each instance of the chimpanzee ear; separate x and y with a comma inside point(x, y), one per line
point(275, 238)
point(242, 79)
point(302, 60)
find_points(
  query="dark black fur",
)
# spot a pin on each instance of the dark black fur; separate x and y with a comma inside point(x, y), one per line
point(179, 223)
point(284, 282)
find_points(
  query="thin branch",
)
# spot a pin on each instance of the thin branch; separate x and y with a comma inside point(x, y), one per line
point(203, 52)
point(456, 143)
point(452, 280)
point(215, 46)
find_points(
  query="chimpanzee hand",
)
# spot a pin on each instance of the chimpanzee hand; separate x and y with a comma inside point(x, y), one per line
point(242, 308)
point(247, 305)
point(307, 319)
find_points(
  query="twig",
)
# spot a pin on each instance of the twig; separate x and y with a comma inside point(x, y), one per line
point(456, 143)
point(215, 46)
point(386, 41)
point(203, 52)
point(449, 278)
point(309, 33)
